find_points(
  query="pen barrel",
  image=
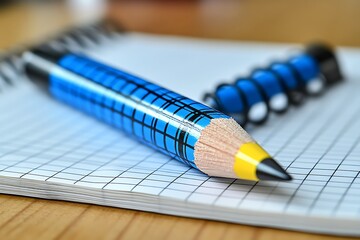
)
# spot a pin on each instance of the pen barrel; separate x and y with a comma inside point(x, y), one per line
point(160, 118)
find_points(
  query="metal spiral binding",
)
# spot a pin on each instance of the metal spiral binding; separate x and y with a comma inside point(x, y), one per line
point(75, 39)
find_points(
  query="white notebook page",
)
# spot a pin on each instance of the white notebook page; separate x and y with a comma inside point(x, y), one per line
point(51, 151)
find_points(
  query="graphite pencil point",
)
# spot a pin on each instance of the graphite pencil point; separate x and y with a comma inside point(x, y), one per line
point(268, 169)
point(227, 150)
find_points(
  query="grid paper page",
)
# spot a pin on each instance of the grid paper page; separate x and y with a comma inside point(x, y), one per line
point(52, 151)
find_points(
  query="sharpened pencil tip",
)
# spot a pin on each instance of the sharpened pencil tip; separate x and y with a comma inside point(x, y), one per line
point(269, 169)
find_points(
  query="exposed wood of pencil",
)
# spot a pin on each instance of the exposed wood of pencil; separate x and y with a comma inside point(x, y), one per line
point(217, 146)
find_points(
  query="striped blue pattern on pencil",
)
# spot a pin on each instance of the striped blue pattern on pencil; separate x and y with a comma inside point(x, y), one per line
point(163, 133)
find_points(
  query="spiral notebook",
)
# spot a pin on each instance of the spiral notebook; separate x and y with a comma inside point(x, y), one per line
point(49, 150)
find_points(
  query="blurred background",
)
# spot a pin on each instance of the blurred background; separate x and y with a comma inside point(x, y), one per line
point(335, 21)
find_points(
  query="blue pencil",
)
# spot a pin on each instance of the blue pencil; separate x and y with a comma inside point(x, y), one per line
point(186, 130)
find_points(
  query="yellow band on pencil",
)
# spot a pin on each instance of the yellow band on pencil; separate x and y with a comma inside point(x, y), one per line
point(247, 158)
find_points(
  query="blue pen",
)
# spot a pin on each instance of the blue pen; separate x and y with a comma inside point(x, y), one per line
point(278, 85)
point(186, 130)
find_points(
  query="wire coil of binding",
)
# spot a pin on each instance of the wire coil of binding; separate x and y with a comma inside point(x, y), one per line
point(75, 39)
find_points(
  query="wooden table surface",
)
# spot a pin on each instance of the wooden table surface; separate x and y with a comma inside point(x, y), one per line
point(30, 218)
